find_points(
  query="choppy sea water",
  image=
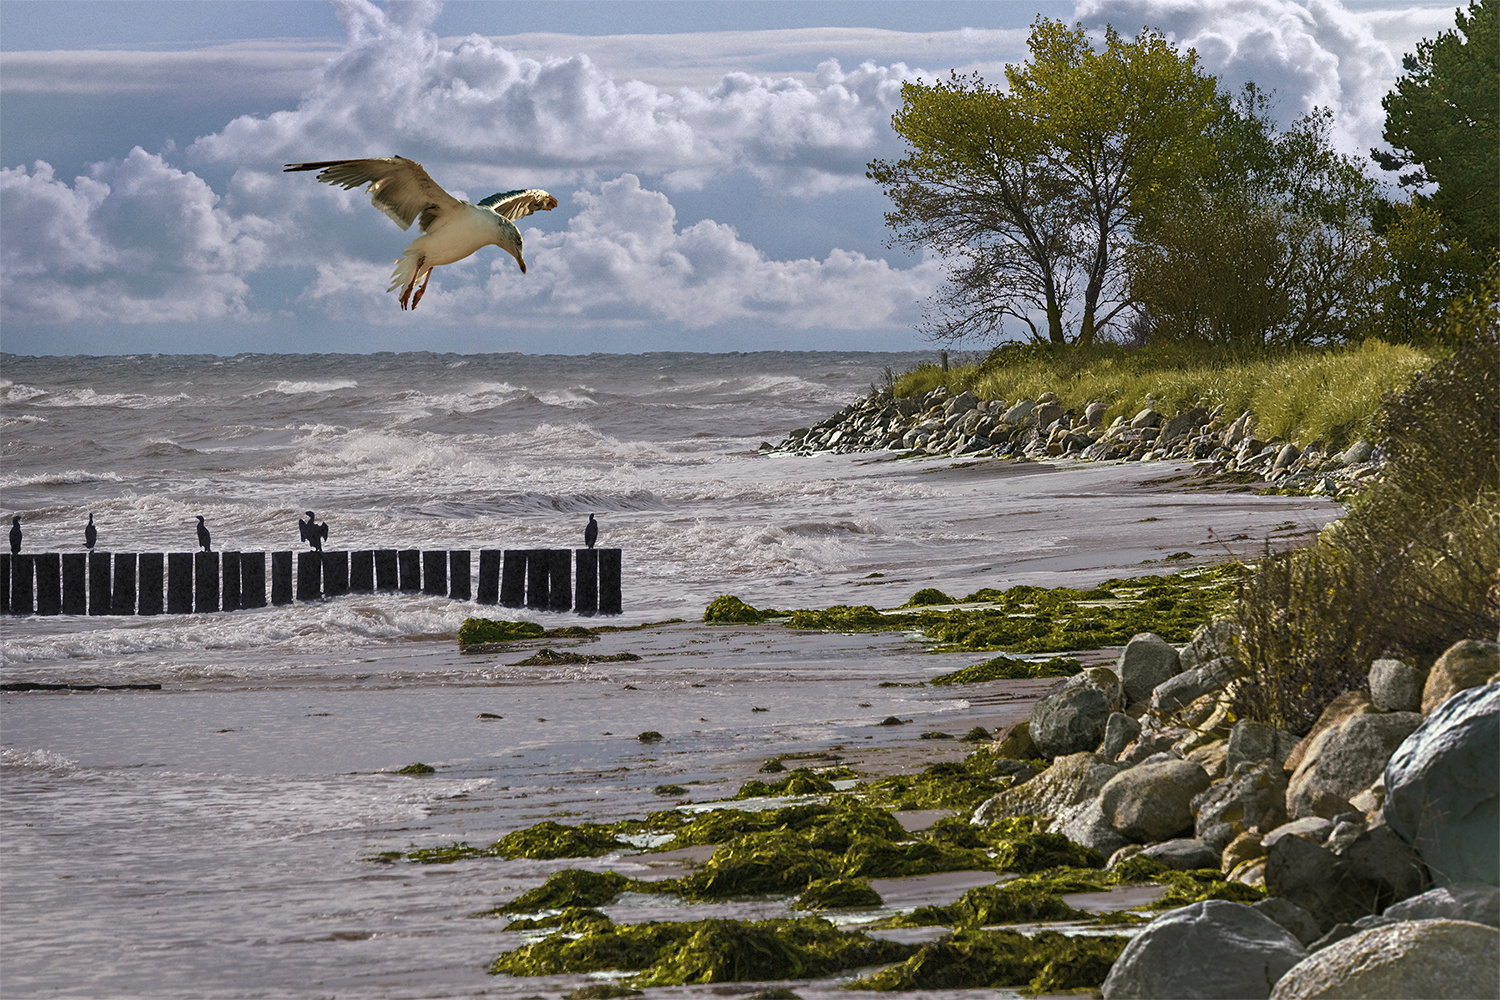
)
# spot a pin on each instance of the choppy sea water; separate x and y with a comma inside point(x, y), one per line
point(206, 839)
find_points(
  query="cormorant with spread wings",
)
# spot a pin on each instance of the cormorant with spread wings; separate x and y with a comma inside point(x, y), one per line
point(451, 229)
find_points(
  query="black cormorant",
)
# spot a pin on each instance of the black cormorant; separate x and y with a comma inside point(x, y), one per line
point(203, 537)
point(90, 534)
point(15, 534)
point(312, 532)
point(591, 533)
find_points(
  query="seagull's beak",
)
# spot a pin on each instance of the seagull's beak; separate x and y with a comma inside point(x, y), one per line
point(522, 261)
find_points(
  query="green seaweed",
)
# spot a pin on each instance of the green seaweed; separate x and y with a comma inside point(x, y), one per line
point(973, 959)
point(872, 858)
point(573, 920)
point(928, 595)
point(1034, 852)
point(1196, 886)
point(730, 610)
point(479, 630)
point(802, 781)
point(1007, 668)
point(850, 618)
point(946, 785)
point(551, 657)
point(548, 840)
point(571, 887)
point(418, 769)
point(838, 893)
point(760, 864)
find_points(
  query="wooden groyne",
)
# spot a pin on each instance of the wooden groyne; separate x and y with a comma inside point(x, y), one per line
point(586, 581)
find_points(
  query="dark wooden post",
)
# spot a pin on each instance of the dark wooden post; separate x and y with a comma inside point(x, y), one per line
point(281, 577)
point(309, 575)
point(20, 584)
point(232, 593)
point(48, 583)
point(362, 571)
point(435, 573)
point(538, 576)
point(179, 583)
point(206, 581)
point(75, 575)
point(335, 574)
point(489, 576)
point(559, 579)
point(513, 579)
point(586, 592)
point(252, 579)
point(122, 600)
point(4, 583)
point(459, 584)
point(98, 583)
point(609, 581)
point(411, 570)
point(387, 570)
point(150, 566)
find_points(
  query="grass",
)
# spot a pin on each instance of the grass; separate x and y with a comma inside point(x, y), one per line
point(1305, 395)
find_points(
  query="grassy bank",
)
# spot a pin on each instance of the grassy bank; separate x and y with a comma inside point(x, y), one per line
point(1328, 395)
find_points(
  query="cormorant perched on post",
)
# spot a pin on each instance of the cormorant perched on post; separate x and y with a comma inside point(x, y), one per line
point(203, 537)
point(90, 534)
point(15, 534)
point(591, 533)
point(312, 532)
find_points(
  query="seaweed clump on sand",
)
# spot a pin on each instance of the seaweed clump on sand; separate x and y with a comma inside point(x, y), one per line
point(802, 781)
point(481, 630)
point(945, 785)
point(1008, 668)
point(730, 610)
point(973, 959)
point(572, 888)
point(838, 893)
point(545, 841)
point(704, 951)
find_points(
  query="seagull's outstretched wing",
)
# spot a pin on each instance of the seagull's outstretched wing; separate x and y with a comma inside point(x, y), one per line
point(398, 187)
point(515, 205)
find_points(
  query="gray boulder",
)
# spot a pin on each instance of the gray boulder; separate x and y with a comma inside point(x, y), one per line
point(1478, 902)
point(1291, 916)
point(1441, 793)
point(1119, 730)
point(1432, 959)
point(1334, 888)
point(1184, 854)
point(1018, 413)
point(1209, 642)
point(1094, 412)
point(1072, 719)
point(1146, 661)
point(1344, 760)
point(1152, 802)
point(1253, 742)
point(1085, 824)
point(1068, 782)
point(1254, 795)
point(1314, 829)
point(1190, 685)
point(1209, 949)
point(1463, 665)
point(1395, 686)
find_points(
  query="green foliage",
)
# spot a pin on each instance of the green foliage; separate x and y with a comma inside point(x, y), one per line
point(1007, 668)
point(730, 610)
point(838, 893)
point(974, 959)
point(928, 595)
point(477, 630)
point(1428, 267)
point(572, 887)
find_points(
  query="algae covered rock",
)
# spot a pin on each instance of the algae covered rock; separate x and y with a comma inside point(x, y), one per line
point(1432, 959)
point(478, 630)
point(973, 959)
point(1209, 949)
point(730, 610)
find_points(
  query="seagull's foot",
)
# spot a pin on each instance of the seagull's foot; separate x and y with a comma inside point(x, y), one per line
point(423, 290)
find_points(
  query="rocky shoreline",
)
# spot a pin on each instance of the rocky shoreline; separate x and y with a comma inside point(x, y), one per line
point(1374, 836)
point(944, 424)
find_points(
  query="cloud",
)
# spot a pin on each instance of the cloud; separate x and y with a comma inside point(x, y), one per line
point(623, 259)
point(1313, 54)
point(135, 241)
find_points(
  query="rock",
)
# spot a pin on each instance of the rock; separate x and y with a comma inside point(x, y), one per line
point(1356, 454)
point(1378, 856)
point(1441, 790)
point(1018, 413)
point(1047, 412)
point(962, 403)
point(1314, 829)
point(1465, 664)
point(1072, 719)
point(1146, 418)
point(1209, 949)
point(1347, 704)
point(1146, 661)
point(1152, 802)
point(1254, 795)
point(1190, 685)
point(1119, 730)
point(1094, 412)
point(1210, 757)
point(1338, 932)
point(1184, 854)
point(1284, 458)
point(1477, 902)
point(1069, 781)
point(1319, 881)
point(1432, 959)
point(1395, 686)
point(1343, 760)
point(1291, 916)
point(1246, 847)
point(1209, 642)
point(1014, 741)
point(1253, 742)
point(1085, 824)
point(1150, 743)
point(1183, 423)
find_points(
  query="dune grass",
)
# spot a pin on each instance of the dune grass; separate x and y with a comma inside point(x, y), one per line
point(1314, 394)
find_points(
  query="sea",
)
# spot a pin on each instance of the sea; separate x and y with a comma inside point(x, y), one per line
point(200, 811)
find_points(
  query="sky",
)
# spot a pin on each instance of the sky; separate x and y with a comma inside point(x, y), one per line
point(708, 158)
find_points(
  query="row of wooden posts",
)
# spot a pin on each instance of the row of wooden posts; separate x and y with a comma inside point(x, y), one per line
point(128, 583)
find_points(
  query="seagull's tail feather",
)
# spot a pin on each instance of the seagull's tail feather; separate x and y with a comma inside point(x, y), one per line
point(406, 272)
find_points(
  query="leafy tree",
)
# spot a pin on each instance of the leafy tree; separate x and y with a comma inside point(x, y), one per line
point(1441, 125)
point(1033, 192)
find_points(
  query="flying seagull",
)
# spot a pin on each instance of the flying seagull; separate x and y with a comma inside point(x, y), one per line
point(452, 229)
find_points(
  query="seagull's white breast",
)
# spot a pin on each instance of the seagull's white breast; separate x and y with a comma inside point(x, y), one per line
point(457, 235)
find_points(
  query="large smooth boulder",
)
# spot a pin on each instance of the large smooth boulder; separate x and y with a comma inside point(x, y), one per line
point(1431, 959)
point(1319, 881)
point(1085, 824)
point(1184, 854)
point(1071, 720)
point(1152, 802)
point(1187, 687)
point(1463, 665)
point(1336, 711)
point(1442, 793)
point(1209, 949)
point(1395, 686)
point(1478, 902)
point(1146, 661)
point(1251, 742)
point(1253, 796)
point(1343, 760)
point(1291, 916)
point(1068, 782)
